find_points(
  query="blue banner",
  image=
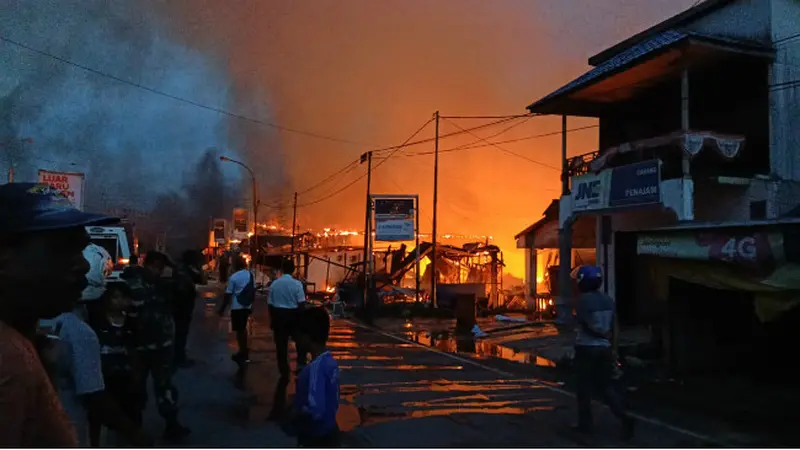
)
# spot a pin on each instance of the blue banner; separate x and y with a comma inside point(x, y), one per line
point(635, 184)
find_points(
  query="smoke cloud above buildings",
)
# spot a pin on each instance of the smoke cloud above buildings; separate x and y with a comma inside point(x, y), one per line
point(135, 146)
point(366, 71)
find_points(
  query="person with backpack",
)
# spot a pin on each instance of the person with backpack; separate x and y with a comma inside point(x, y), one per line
point(240, 294)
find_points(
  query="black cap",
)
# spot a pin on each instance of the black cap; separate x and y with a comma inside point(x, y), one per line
point(26, 207)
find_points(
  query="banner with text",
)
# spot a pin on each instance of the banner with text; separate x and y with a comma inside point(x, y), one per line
point(68, 183)
point(390, 230)
point(219, 231)
point(748, 247)
point(240, 223)
point(635, 184)
point(632, 185)
point(394, 208)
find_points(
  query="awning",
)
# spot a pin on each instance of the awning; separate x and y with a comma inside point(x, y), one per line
point(639, 67)
point(743, 258)
point(756, 247)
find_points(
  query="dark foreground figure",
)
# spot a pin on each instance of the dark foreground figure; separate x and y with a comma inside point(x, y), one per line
point(594, 360)
point(313, 416)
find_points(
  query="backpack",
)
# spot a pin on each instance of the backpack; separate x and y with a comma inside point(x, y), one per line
point(248, 294)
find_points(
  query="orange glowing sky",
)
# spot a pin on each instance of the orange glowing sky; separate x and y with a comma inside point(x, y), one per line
point(374, 70)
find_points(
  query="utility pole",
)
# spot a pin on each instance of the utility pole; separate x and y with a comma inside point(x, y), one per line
point(10, 158)
point(564, 312)
point(367, 157)
point(434, 276)
point(254, 246)
point(416, 244)
point(294, 223)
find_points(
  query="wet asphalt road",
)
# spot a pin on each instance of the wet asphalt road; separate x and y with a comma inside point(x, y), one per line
point(394, 393)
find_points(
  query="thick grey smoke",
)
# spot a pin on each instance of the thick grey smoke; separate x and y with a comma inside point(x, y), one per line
point(139, 150)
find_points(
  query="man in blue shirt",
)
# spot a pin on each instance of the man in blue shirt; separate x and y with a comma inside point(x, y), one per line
point(594, 361)
point(317, 396)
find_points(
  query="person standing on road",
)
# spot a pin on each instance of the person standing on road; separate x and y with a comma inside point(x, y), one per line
point(188, 274)
point(117, 350)
point(154, 335)
point(81, 385)
point(239, 294)
point(223, 266)
point(286, 298)
point(317, 397)
point(594, 361)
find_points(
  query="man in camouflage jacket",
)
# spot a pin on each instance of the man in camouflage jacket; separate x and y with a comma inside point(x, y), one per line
point(154, 335)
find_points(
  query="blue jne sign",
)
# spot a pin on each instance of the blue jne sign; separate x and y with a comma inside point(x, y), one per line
point(635, 184)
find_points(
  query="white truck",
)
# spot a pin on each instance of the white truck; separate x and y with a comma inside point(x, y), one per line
point(115, 241)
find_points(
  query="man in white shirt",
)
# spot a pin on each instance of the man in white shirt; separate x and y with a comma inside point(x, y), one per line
point(286, 297)
point(241, 308)
point(79, 381)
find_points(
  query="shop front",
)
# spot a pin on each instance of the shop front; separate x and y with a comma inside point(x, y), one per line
point(726, 294)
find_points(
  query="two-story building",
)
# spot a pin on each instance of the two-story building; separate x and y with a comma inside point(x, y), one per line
point(697, 174)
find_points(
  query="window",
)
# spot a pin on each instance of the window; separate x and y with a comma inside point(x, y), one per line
point(110, 244)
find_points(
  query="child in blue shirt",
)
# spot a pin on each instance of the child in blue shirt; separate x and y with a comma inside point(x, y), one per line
point(317, 397)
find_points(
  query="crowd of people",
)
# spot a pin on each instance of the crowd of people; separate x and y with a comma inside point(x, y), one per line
point(62, 385)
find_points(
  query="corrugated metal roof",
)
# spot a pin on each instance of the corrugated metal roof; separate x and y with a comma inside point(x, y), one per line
point(630, 55)
point(700, 9)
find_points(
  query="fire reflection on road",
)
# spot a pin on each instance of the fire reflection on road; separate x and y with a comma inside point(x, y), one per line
point(375, 389)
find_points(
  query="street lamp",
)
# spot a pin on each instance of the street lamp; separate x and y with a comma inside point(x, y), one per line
point(255, 197)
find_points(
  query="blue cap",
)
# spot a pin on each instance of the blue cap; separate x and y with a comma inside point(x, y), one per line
point(26, 207)
point(589, 273)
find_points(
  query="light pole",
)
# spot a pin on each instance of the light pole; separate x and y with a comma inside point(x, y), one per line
point(255, 201)
point(10, 161)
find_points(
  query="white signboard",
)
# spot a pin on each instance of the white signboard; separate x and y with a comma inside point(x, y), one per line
point(394, 230)
point(68, 183)
point(590, 191)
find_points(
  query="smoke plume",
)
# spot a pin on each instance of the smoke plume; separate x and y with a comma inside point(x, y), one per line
point(139, 150)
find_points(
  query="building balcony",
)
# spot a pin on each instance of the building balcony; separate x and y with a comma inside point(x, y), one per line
point(715, 147)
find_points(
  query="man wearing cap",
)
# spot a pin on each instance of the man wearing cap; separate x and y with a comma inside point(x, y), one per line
point(42, 274)
point(594, 361)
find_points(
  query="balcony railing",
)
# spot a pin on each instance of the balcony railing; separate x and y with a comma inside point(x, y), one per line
point(579, 165)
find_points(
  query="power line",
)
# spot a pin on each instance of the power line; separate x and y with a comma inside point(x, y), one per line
point(456, 133)
point(423, 141)
point(508, 151)
point(504, 130)
point(344, 170)
point(513, 116)
point(364, 175)
point(526, 138)
point(181, 99)
point(472, 146)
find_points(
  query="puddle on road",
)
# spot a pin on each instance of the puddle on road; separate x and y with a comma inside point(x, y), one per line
point(500, 397)
point(446, 342)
